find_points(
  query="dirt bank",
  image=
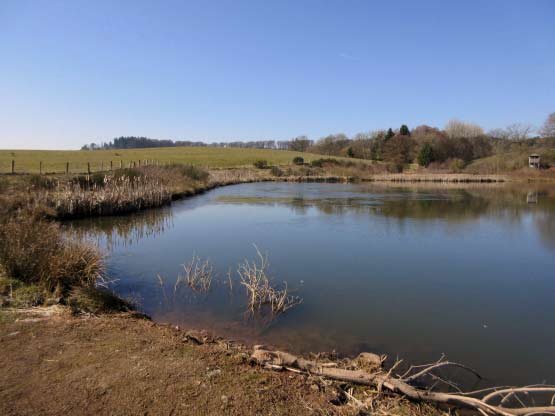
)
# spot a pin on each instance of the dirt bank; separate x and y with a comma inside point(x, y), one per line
point(54, 363)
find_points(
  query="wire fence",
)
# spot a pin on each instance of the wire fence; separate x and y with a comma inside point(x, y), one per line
point(48, 168)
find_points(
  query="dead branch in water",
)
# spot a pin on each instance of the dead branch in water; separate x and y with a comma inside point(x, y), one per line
point(278, 360)
point(198, 275)
point(260, 291)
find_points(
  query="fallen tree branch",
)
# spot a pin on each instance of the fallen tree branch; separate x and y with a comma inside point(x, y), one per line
point(284, 361)
point(441, 364)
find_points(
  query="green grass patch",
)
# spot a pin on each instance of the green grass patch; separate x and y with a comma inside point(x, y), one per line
point(54, 161)
point(97, 301)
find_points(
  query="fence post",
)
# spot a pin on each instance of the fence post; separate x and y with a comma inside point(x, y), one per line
point(40, 167)
point(139, 162)
point(102, 166)
point(121, 164)
point(13, 166)
point(67, 168)
point(111, 166)
point(89, 168)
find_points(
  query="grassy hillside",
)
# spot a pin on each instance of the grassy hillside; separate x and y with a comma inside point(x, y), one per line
point(510, 161)
point(55, 160)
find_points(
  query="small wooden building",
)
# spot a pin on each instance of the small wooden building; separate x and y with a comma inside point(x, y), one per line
point(534, 161)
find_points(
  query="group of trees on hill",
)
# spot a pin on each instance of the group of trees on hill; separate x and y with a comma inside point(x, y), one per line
point(299, 144)
point(424, 144)
point(457, 144)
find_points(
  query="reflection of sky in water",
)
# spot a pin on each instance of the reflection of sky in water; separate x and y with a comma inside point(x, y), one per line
point(409, 271)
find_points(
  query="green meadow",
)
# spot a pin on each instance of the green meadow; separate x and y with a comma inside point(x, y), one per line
point(54, 161)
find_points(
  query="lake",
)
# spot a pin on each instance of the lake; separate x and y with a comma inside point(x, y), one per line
point(410, 271)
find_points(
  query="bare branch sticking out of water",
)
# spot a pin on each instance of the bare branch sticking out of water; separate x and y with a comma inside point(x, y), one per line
point(198, 275)
point(261, 292)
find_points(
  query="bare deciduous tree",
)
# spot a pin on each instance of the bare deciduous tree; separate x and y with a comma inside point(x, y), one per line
point(457, 129)
point(515, 131)
point(548, 129)
point(519, 131)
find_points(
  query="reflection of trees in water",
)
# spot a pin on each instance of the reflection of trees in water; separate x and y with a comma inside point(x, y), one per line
point(124, 230)
point(452, 205)
point(545, 223)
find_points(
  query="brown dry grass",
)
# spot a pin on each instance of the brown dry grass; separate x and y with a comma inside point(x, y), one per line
point(36, 252)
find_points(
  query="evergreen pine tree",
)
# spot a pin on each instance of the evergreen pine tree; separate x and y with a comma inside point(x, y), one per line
point(389, 134)
point(426, 155)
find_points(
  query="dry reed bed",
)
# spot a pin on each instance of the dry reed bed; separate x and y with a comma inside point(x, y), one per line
point(221, 177)
point(117, 195)
point(444, 178)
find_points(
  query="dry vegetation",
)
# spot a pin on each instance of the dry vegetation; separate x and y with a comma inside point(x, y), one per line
point(198, 275)
point(264, 297)
point(40, 264)
point(37, 252)
point(114, 195)
point(422, 383)
point(261, 292)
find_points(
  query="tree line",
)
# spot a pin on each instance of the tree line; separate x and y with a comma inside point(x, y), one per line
point(299, 144)
point(454, 146)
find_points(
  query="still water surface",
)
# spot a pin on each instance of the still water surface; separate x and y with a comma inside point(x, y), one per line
point(414, 272)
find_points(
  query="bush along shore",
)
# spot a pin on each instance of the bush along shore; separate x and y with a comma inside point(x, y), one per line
point(41, 265)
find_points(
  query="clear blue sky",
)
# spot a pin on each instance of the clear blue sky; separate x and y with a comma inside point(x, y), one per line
point(72, 72)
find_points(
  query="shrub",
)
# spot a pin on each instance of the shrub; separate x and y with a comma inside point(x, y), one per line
point(298, 160)
point(42, 182)
point(321, 162)
point(190, 171)
point(276, 171)
point(96, 300)
point(27, 296)
point(8, 285)
point(395, 167)
point(457, 165)
point(36, 252)
point(261, 164)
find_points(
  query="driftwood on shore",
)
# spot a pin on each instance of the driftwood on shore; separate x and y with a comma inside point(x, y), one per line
point(489, 401)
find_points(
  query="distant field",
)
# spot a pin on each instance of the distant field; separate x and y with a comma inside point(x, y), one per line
point(54, 161)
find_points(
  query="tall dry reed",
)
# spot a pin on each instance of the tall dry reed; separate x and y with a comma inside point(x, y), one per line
point(116, 195)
